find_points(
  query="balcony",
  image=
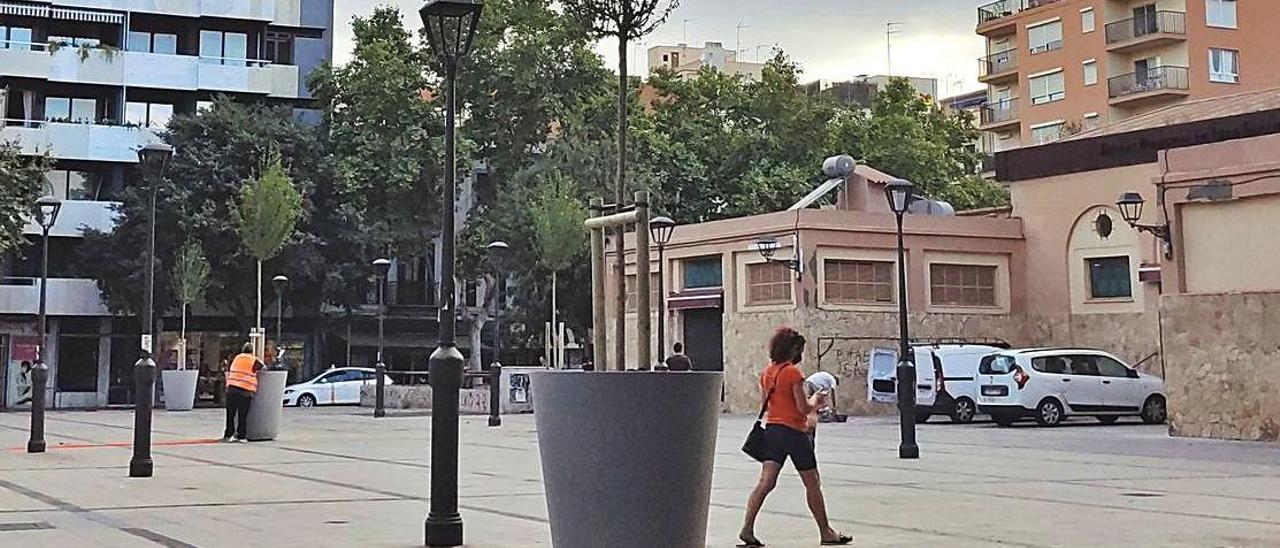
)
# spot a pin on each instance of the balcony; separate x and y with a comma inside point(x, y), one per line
point(997, 17)
point(999, 115)
point(998, 67)
point(280, 12)
point(77, 141)
point(65, 297)
point(1149, 85)
point(1158, 29)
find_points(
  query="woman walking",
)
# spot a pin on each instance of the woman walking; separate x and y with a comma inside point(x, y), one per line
point(783, 396)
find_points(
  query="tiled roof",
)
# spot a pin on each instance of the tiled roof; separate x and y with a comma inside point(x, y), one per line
point(1190, 111)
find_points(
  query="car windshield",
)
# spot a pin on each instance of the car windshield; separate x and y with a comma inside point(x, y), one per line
point(996, 364)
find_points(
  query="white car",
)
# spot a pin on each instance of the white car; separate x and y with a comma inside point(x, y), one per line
point(1050, 385)
point(339, 386)
point(945, 378)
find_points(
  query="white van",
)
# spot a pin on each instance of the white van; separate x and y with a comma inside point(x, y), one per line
point(946, 378)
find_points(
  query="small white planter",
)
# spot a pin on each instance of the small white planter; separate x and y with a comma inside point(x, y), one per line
point(179, 388)
point(627, 457)
point(267, 406)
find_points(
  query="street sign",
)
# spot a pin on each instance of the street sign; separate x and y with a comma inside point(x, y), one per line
point(146, 343)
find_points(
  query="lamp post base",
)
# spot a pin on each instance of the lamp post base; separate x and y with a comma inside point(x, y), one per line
point(140, 468)
point(908, 451)
point(444, 530)
point(36, 446)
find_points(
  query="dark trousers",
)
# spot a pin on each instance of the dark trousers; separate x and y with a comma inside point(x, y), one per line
point(238, 400)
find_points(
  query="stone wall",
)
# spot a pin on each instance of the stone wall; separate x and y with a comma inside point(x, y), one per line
point(1222, 365)
point(473, 401)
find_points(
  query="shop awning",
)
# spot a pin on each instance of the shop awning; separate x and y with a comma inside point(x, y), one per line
point(68, 14)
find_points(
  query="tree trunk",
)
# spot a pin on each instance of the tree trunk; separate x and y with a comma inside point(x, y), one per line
point(620, 196)
point(555, 322)
point(473, 336)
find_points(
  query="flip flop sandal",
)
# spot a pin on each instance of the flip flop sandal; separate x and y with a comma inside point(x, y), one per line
point(752, 542)
point(842, 540)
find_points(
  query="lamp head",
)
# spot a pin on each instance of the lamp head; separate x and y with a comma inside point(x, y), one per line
point(1130, 204)
point(767, 247)
point(661, 229)
point(153, 160)
point(281, 283)
point(451, 26)
point(381, 267)
point(47, 209)
point(900, 193)
point(498, 251)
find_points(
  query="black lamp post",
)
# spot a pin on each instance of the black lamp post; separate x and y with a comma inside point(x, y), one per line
point(281, 285)
point(153, 159)
point(47, 209)
point(497, 257)
point(899, 193)
point(1130, 204)
point(380, 268)
point(660, 230)
point(450, 26)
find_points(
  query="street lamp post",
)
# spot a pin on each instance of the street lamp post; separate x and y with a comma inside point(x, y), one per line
point(450, 27)
point(281, 285)
point(497, 255)
point(47, 209)
point(899, 194)
point(380, 269)
point(153, 159)
point(661, 229)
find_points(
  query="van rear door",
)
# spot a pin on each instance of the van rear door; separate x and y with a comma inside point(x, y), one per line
point(882, 376)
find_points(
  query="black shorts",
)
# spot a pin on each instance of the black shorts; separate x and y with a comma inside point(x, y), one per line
point(788, 442)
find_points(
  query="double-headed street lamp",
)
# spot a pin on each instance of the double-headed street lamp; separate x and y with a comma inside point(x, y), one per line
point(380, 269)
point(46, 210)
point(660, 230)
point(153, 160)
point(498, 252)
point(450, 26)
point(281, 285)
point(900, 194)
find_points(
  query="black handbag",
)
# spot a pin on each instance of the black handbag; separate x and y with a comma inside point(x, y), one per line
point(756, 446)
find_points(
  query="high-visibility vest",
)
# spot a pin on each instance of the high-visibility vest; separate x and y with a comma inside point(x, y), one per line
point(242, 374)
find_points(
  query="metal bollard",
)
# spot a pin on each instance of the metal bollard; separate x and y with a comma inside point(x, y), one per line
point(39, 383)
point(379, 401)
point(144, 374)
point(495, 395)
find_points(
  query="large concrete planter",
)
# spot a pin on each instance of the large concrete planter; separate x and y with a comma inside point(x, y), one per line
point(268, 405)
point(627, 456)
point(179, 388)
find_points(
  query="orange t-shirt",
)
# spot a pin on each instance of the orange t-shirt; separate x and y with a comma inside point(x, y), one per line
point(783, 378)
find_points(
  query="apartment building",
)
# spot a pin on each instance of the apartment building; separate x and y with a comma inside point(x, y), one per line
point(686, 61)
point(862, 90)
point(91, 81)
point(1058, 67)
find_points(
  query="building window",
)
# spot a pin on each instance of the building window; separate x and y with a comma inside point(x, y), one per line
point(1087, 23)
point(768, 283)
point(70, 109)
point(1224, 65)
point(1048, 88)
point(15, 38)
point(224, 48)
point(77, 363)
point(1091, 121)
point(1109, 278)
point(858, 282)
point(1047, 133)
point(1046, 37)
point(154, 115)
point(962, 285)
point(702, 272)
point(631, 291)
point(1090, 72)
point(147, 42)
point(1221, 13)
point(72, 185)
point(280, 48)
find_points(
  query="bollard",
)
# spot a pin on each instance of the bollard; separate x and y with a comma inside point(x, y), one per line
point(144, 373)
point(379, 401)
point(39, 383)
point(495, 394)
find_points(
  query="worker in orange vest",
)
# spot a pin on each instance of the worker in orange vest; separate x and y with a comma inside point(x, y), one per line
point(242, 384)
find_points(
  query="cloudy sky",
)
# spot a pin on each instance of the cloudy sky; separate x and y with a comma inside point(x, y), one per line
point(832, 39)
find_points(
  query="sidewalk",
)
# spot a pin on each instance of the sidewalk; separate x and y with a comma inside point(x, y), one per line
point(339, 478)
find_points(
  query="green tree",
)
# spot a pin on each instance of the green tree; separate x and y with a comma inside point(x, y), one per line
point(21, 180)
point(267, 215)
point(191, 276)
point(558, 219)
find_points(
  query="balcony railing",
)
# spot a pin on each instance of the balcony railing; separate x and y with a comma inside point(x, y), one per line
point(1000, 111)
point(997, 63)
point(1161, 22)
point(1153, 79)
point(1006, 8)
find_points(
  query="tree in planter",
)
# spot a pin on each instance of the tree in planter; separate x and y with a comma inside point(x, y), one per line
point(266, 216)
point(624, 20)
point(21, 179)
point(190, 277)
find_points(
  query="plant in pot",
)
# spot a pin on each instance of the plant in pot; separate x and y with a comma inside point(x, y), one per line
point(190, 277)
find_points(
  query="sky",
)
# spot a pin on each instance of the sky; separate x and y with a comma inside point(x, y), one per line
point(831, 39)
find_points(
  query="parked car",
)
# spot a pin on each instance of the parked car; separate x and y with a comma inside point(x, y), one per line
point(337, 386)
point(946, 377)
point(1050, 385)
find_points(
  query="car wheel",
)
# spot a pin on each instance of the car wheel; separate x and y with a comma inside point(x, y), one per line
point(1003, 421)
point(306, 400)
point(1154, 410)
point(963, 411)
point(923, 416)
point(1109, 419)
point(1049, 413)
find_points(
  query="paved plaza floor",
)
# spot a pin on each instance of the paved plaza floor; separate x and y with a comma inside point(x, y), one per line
point(337, 477)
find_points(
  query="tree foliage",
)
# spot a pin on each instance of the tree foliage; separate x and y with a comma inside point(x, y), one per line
point(21, 180)
point(558, 219)
point(268, 211)
point(190, 273)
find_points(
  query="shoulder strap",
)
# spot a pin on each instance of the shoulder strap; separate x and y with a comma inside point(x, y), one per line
point(765, 406)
